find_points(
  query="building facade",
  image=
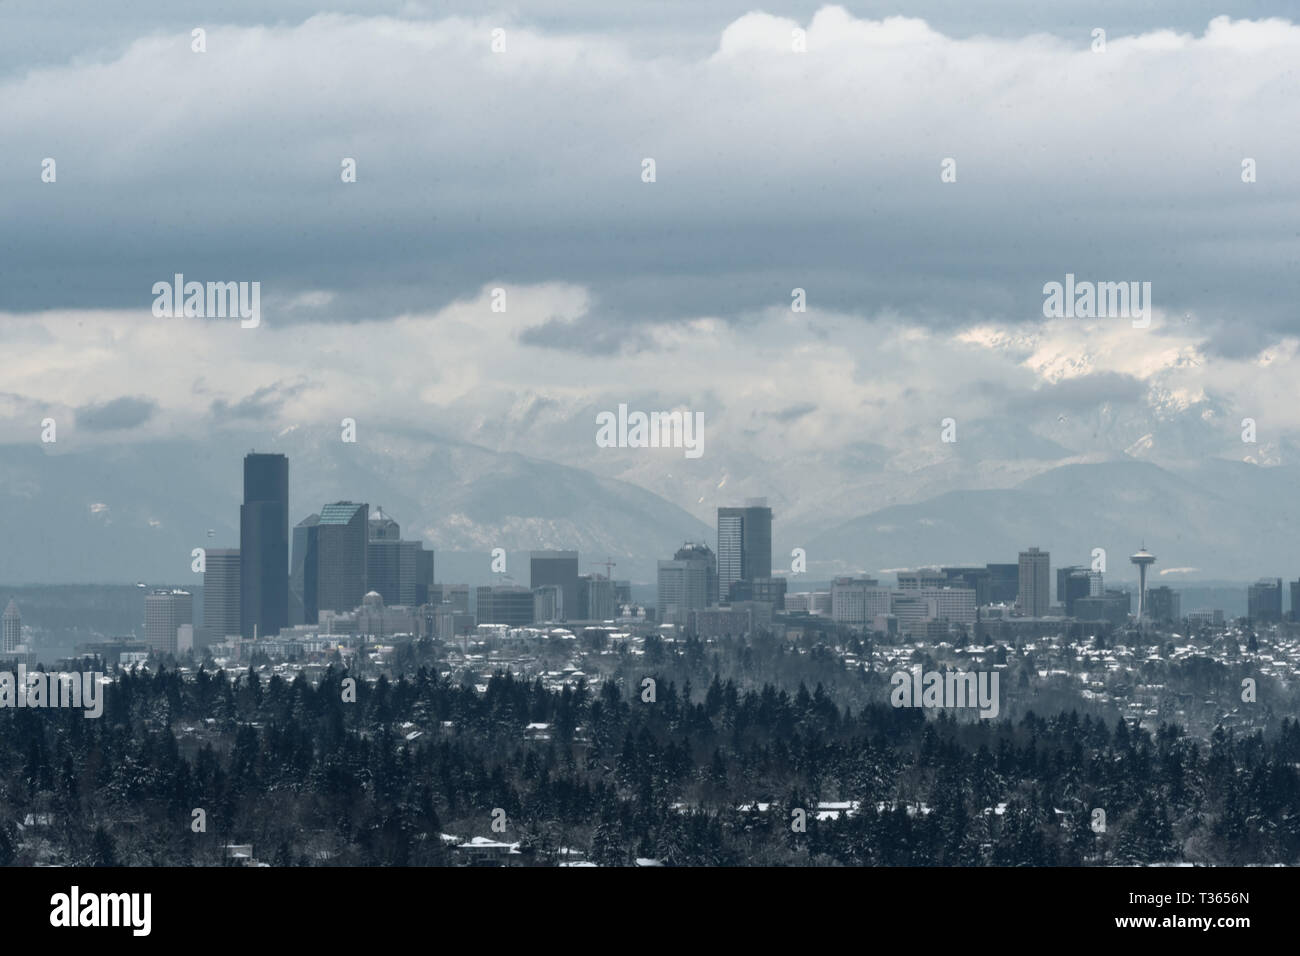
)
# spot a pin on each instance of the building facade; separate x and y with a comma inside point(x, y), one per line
point(264, 545)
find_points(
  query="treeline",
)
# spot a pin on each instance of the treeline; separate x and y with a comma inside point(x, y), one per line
point(722, 774)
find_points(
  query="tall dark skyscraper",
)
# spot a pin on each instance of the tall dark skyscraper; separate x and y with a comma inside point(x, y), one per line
point(264, 546)
point(303, 606)
point(557, 567)
point(744, 544)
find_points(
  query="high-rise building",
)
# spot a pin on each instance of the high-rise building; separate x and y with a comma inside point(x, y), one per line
point(683, 587)
point(595, 597)
point(396, 569)
point(1004, 583)
point(1295, 600)
point(341, 553)
point(504, 604)
point(1163, 605)
point(548, 604)
point(13, 627)
point(744, 544)
point(1035, 582)
point(696, 551)
point(556, 567)
point(303, 606)
point(1072, 583)
point(264, 546)
point(164, 612)
point(220, 595)
point(424, 581)
point(1264, 600)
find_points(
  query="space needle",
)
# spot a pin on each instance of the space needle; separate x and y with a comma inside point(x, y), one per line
point(1143, 559)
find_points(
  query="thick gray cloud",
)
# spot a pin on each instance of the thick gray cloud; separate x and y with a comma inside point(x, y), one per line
point(816, 170)
point(117, 414)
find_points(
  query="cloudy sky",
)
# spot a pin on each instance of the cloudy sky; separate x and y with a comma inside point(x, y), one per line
point(775, 170)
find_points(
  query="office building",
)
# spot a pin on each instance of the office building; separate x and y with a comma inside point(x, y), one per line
point(768, 590)
point(400, 571)
point(1264, 600)
point(694, 551)
point(979, 580)
point(1004, 583)
point(744, 544)
point(596, 598)
point(504, 604)
point(555, 567)
point(683, 587)
point(164, 612)
point(1163, 605)
point(302, 585)
point(264, 546)
point(1112, 607)
point(13, 627)
point(341, 556)
point(548, 604)
point(857, 601)
point(922, 578)
point(1035, 582)
point(1072, 583)
point(220, 595)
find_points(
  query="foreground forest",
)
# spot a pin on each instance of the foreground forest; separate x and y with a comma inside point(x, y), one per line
point(704, 775)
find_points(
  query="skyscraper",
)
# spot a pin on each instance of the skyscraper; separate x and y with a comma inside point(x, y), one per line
point(556, 567)
point(13, 627)
point(1071, 584)
point(303, 608)
point(1264, 600)
point(595, 597)
point(1004, 583)
point(264, 546)
point(504, 604)
point(744, 544)
point(396, 569)
point(220, 595)
point(1035, 582)
point(341, 554)
point(164, 612)
point(1163, 604)
point(695, 551)
point(683, 587)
